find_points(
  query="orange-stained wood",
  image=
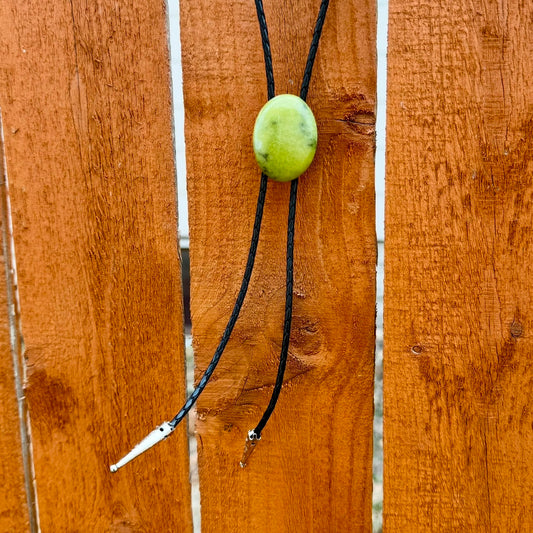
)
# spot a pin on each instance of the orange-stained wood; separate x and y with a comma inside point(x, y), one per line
point(13, 503)
point(459, 268)
point(312, 470)
point(84, 91)
point(14, 515)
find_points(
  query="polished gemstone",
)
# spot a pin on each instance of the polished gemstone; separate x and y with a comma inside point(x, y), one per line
point(285, 137)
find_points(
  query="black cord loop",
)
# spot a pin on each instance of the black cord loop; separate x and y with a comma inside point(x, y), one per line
point(255, 237)
point(165, 429)
point(292, 203)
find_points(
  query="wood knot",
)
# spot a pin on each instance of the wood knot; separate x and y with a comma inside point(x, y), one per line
point(306, 338)
point(516, 329)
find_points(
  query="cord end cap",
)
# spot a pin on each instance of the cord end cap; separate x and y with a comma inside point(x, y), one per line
point(157, 435)
point(249, 446)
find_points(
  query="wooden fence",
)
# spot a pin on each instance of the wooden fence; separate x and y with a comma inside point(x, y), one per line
point(92, 336)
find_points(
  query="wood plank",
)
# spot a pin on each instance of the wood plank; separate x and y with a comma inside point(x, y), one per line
point(458, 268)
point(13, 505)
point(86, 102)
point(14, 515)
point(313, 468)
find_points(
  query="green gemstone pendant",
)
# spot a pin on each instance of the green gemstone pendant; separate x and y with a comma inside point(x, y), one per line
point(285, 137)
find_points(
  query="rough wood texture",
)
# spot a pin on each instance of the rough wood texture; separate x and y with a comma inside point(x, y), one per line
point(313, 468)
point(84, 90)
point(13, 506)
point(458, 271)
point(14, 514)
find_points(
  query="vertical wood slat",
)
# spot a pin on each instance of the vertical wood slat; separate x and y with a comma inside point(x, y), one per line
point(84, 91)
point(312, 470)
point(458, 374)
point(14, 515)
point(13, 504)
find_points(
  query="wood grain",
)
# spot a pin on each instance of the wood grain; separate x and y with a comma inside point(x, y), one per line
point(458, 372)
point(14, 515)
point(84, 90)
point(13, 505)
point(313, 468)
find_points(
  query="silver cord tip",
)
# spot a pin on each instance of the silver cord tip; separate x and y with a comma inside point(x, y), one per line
point(249, 446)
point(157, 435)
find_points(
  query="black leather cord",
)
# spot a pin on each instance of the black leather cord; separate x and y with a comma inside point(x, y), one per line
point(292, 205)
point(255, 237)
point(313, 48)
point(162, 431)
point(288, 313)
point(265, 41)
point(236, 309)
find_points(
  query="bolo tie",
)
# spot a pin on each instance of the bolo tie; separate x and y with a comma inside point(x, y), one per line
point(284, 143)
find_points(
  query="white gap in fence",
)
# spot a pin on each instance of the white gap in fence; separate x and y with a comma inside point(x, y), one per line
point(183, 227)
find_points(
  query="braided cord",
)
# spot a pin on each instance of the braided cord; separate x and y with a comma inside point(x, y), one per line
point(292, 210)
point(313, 48)
point(265, 41)
point(253, 245)
point(236, 309)
point(255, 237)
point(288, 313)
point(168, 427)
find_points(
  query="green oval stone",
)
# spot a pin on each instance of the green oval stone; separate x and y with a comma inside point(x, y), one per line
point(285, 137)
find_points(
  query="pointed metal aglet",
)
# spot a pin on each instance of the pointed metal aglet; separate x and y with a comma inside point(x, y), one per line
point(249, 446)
point(157, 435)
